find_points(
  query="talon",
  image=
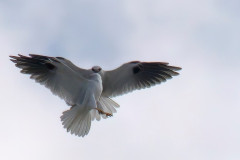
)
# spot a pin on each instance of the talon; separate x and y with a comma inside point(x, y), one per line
point(102, 112)
point(108, 115)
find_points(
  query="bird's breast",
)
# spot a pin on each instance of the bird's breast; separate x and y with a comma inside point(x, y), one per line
point(96, 85)
point(91, 92)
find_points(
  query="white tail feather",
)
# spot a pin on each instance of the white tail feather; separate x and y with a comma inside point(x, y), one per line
point(77, 121)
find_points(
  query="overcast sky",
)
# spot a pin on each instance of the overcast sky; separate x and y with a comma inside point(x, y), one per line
point(194, 116)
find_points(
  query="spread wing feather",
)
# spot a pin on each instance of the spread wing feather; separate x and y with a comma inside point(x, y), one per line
point(136, 75)
point(56, 73)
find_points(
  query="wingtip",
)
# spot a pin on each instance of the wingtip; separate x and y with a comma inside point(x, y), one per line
point(13, 60)
point(17, 56)
point(11, 56)
point(174, 68)
point(178, 68)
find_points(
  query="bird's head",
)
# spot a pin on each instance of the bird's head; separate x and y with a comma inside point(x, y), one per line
point(96, 69)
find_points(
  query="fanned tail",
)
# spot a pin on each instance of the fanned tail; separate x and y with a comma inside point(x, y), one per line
point(77, 121)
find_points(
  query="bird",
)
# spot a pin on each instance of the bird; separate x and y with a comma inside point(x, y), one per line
point(89, 92)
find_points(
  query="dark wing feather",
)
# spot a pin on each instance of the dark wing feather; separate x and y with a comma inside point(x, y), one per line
point(39, 67)
point(58, 74)
point(136, 75)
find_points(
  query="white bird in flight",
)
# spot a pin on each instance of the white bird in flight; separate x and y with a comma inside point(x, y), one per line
point(89, 92)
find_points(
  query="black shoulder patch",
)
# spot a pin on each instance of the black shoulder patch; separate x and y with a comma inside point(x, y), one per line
point(136, 69)
point(49, 66)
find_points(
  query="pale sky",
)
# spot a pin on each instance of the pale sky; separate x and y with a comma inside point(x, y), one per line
point(194, 116)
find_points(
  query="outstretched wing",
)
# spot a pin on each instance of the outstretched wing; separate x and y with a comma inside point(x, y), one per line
point(136, 75)
point(56, 73)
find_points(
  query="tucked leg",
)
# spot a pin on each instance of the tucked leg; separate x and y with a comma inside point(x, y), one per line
point(102, 112)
